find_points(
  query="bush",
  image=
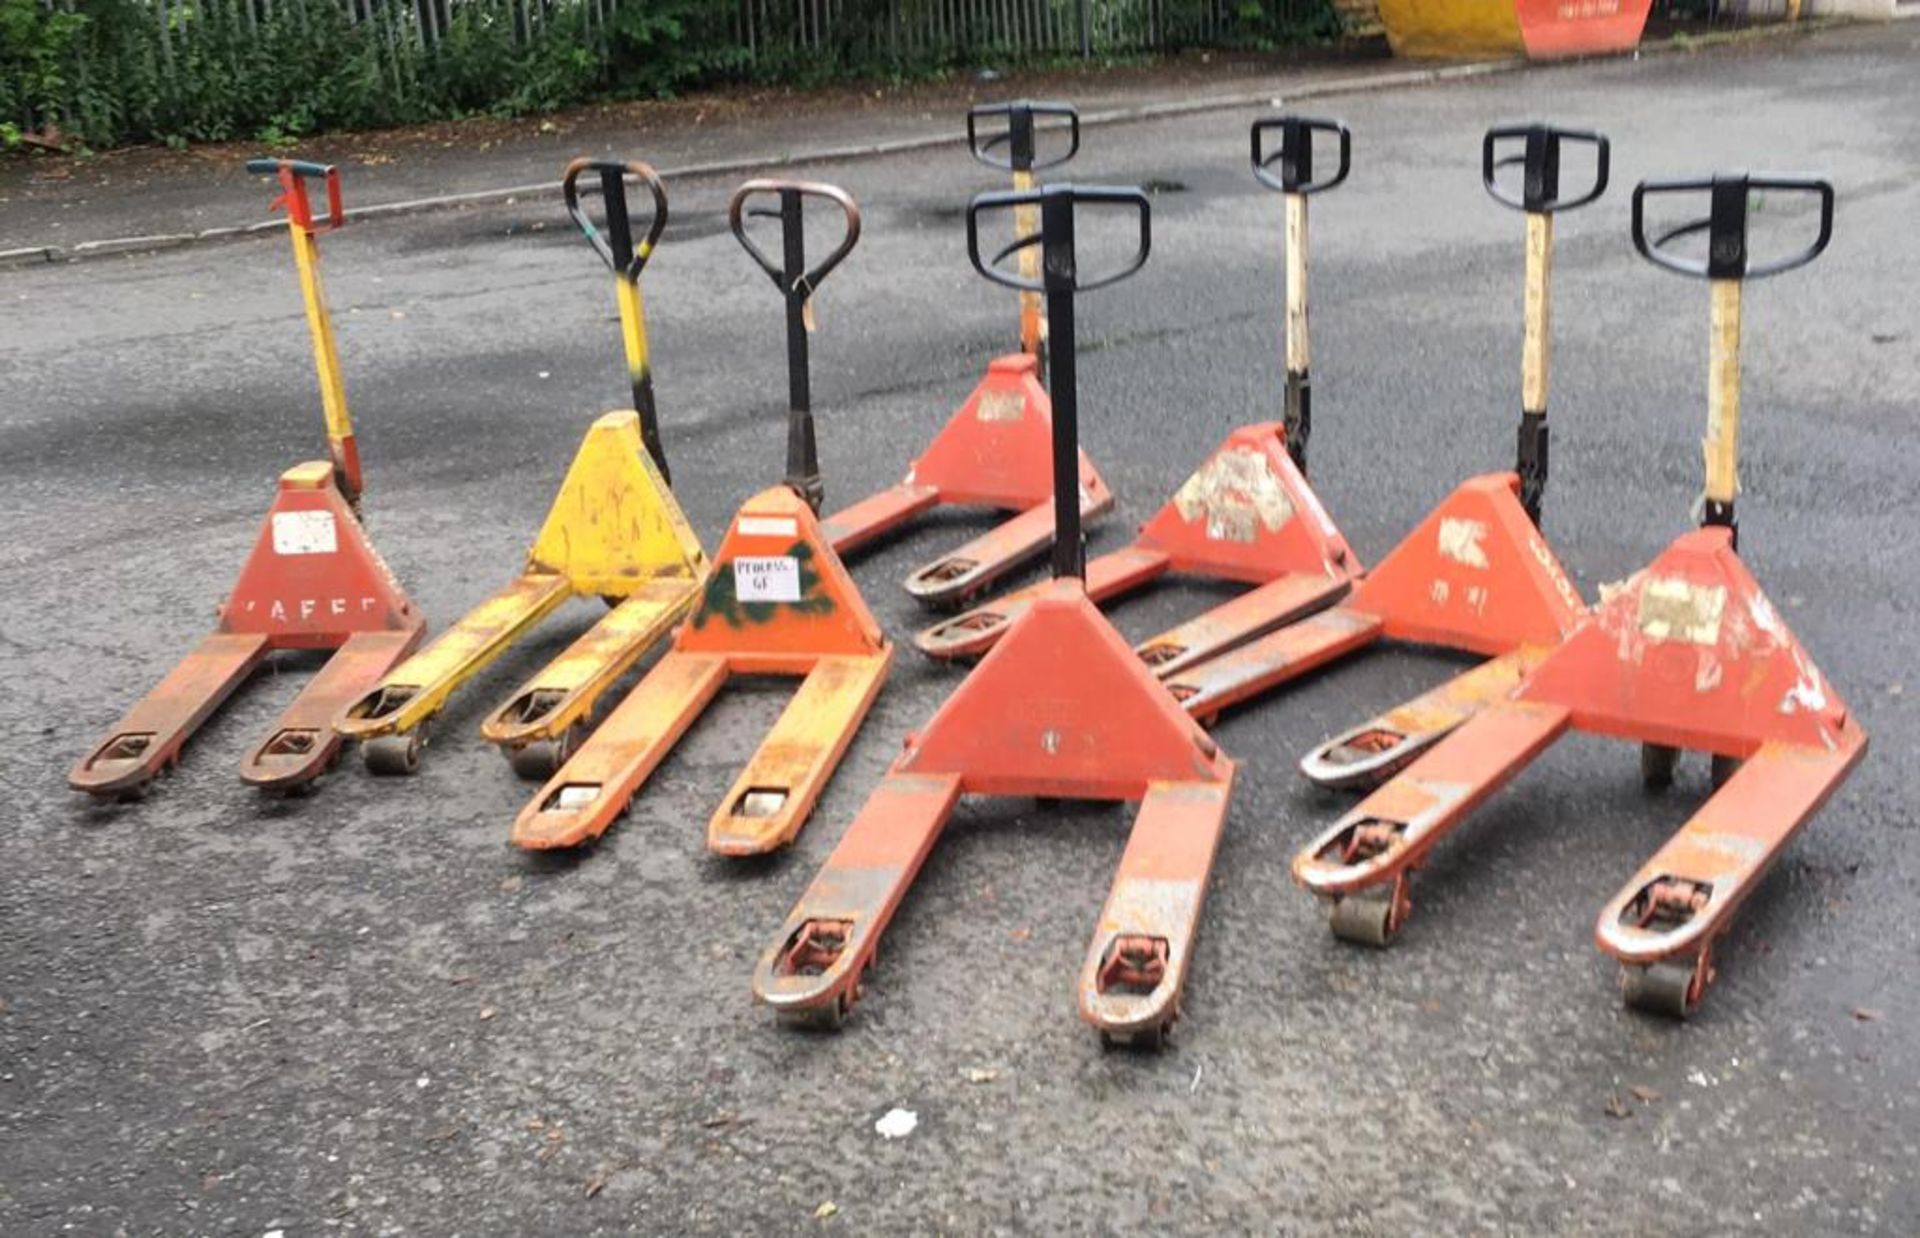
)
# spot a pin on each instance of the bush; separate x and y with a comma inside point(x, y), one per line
point(112, 72)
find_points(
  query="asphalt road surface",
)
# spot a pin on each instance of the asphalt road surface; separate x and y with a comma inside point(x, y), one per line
point(365, 1012)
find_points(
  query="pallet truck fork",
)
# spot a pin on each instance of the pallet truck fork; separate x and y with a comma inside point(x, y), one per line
point(1247, 514)
point(1689, 653)
point(1061, 708)
point(778, 602)
point(1475, 576)
point(614, 532)
point(993, 451)
point(313, 581)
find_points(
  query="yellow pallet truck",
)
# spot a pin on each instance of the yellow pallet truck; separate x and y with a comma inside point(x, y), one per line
point(614, 532)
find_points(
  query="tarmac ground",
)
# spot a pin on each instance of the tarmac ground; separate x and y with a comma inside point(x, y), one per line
point(362, 1011)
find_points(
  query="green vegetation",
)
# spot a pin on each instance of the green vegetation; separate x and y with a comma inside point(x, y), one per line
point(112, 72)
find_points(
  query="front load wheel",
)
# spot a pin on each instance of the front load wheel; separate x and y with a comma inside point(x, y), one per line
point(391, 756)
point(1367, 919)
point(1656, 766)
point(1663, 988)
point(541, 759)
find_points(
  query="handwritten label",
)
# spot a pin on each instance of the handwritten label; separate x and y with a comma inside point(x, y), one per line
point(304, 533)
point(766, 578)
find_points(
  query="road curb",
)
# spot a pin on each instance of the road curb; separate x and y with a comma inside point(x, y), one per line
point(1366, 84)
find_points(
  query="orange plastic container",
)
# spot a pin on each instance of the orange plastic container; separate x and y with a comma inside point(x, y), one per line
point(1541, 29)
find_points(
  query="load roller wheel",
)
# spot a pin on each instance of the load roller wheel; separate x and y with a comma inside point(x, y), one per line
point(540, 759)
point(827, 1018)
point(1143, 1040)
point(391, 756)
point(1664, 988)
point(1366, 919)
point(1656, 766)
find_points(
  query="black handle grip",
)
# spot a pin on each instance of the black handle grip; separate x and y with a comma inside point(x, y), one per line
point(1726, 225)
point(299, 167)
point(1540, 164)
point(615, 244)
point(1295, 153)
point(293, 175)
point(1018, 138)
point(810, 280)
point(1060, 270)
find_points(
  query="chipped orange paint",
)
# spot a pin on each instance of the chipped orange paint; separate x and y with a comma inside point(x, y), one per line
point(1242, 516)
point(1061, 708)
point(1688, 654)
point(1474, 576)
point(778, 602)
point(995, 452)
point(313, 581)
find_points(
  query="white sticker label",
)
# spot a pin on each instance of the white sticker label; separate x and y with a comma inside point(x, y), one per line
point(1463, 541)
point(771, 578)
point(768, 526)
point(304, 533)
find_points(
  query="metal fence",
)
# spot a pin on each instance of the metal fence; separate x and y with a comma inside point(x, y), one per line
point(899, 29)
point(927, 29)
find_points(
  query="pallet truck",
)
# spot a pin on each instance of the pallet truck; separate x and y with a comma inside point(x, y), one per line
point(1059, 709)
point(1476, 575)
point(778, 602)
point(1689, 653)
point(313, 581)
point(993, 451)
point(614, 532)
point(1247, 515)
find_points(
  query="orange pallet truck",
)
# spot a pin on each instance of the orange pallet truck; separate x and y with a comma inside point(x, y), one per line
point(1689, 653)
point(313, 581)
point(778, 602)
point(1060, 709)
point(1247, 515)
point(614, 532)
point(1476, 575)
point(993, 452)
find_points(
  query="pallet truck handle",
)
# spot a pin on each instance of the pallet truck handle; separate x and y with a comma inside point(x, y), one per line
point(1021, 154)
point(793, 283)
point(797, 284)
point(1296, 180)
point(1726, 225)
point(615, 244)
point(1540, 164)
point(1727, 266)
point(613, 241)
point(1295, 153)
point(1541, 199)
point(1059, 278)
point(1060, 270)
point(293, 175)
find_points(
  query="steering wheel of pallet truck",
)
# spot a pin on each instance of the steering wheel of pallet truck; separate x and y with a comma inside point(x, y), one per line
point(1540, 161)
point(790, 194)
point(1058, 205)
point(1295, 153)
point(615, 244)
point(294, 175)
point(1726, 225)
point(1018, 138)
